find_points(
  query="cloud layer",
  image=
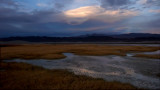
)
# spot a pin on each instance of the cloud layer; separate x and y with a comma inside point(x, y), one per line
point(76, 17)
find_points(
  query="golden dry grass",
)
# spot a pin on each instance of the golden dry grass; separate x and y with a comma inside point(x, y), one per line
point(25, 76)
point(154, 56)
point(54, 51)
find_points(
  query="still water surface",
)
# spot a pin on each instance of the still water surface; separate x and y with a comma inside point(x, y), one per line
point(140, 72)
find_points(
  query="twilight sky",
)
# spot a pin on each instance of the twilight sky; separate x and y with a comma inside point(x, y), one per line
point(78, 17)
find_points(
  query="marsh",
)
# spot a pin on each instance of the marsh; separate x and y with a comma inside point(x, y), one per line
point(140, 72)
point(110, 63)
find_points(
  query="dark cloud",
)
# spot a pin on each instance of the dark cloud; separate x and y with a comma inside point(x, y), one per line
point(61, 4)
point(16, 23)
point(153, 2)
point(8, 15)
point(7, 2)
point(12, 16)
point(114, 3)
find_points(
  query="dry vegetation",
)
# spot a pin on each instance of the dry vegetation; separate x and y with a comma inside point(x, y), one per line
point(49, 51)
point(155, 56)
point(25, 76)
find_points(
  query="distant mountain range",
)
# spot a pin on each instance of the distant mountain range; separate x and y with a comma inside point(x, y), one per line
point(136, 35)
point(132, 37)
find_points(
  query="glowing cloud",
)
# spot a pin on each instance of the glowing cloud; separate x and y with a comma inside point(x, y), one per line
point(82, 14)
point(83, 11)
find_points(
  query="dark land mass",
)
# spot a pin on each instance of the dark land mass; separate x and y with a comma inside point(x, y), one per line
point(132, 37)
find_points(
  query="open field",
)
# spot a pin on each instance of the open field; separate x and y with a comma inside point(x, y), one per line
point(26, 76)
point(54, 51)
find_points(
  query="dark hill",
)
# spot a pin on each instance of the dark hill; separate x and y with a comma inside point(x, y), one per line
point(90, 38)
